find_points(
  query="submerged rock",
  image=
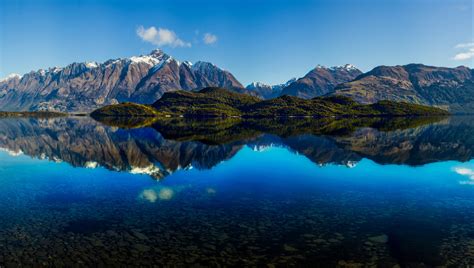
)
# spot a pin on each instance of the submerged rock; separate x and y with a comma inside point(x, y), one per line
point(379, 239)
point(289, 248)
point(139, 235)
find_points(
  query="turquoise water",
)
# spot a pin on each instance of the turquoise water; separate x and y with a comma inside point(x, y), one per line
point(74, 191)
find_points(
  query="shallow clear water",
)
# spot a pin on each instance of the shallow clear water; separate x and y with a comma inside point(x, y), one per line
point(75, 191)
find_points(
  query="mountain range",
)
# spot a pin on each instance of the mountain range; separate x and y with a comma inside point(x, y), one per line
point(450, 88)
point(268, 91)
point(89, 85)
point(83, 87)
point(321, 81)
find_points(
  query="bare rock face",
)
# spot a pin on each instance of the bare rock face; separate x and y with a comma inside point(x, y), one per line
point(320, 81)
point(451, 88)
point(87, 86)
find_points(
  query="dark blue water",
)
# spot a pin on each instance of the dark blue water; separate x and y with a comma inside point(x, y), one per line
point(74, 191)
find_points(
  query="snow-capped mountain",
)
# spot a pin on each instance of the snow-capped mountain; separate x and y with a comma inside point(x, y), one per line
point(321, 80)
point(89, 85)
point(347, 67)
point(10, 77)
point(85, 86)
point(268, 91)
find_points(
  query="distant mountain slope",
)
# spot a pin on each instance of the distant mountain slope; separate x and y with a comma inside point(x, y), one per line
point(267, 91)
point(451, 88)
point(320, 81)
point(86, 86)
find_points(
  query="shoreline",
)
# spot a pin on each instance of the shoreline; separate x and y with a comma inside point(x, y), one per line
point(4, 114)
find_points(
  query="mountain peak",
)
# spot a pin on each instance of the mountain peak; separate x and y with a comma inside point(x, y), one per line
point(347, 67)
point(157, 53)
point(290, 81)
point(254, 85)
point(10, 76)
point(320, 81)
point(91, 64)
point(450, 88)
point(142, 78)
point(203, 66)
point(155, 57)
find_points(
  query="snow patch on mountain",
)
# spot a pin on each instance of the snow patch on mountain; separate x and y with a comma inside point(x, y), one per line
point(91, 64)
point(150, 60)
point(348, 67)
point(156, 59)
point(55, 69)
point(256, 85)
point(10, 76)
point(161, 64)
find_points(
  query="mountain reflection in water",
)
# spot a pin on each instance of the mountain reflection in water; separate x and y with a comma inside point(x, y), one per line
point(166, 146)
point(389, 192)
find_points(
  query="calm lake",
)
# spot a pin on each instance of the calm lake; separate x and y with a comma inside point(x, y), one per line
point(383, 192)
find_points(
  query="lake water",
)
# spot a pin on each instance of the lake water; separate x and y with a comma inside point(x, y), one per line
point(274, 193)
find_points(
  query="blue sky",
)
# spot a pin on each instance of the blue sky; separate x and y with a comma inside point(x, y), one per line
point(268, 41)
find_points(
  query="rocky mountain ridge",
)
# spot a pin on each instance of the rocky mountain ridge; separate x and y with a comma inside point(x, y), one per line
point(321, 81)
point(86, 86)
point(448, 88)
point(266, 91)
point(89, 85)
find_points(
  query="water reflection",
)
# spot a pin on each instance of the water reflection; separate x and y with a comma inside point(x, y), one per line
point(327, 193)
point(166, 146)
point(466, 172)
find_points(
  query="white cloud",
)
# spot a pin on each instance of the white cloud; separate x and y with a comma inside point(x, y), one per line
point(467, 53)
point(161, 37)
point(209, 38)
point(464, 45)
